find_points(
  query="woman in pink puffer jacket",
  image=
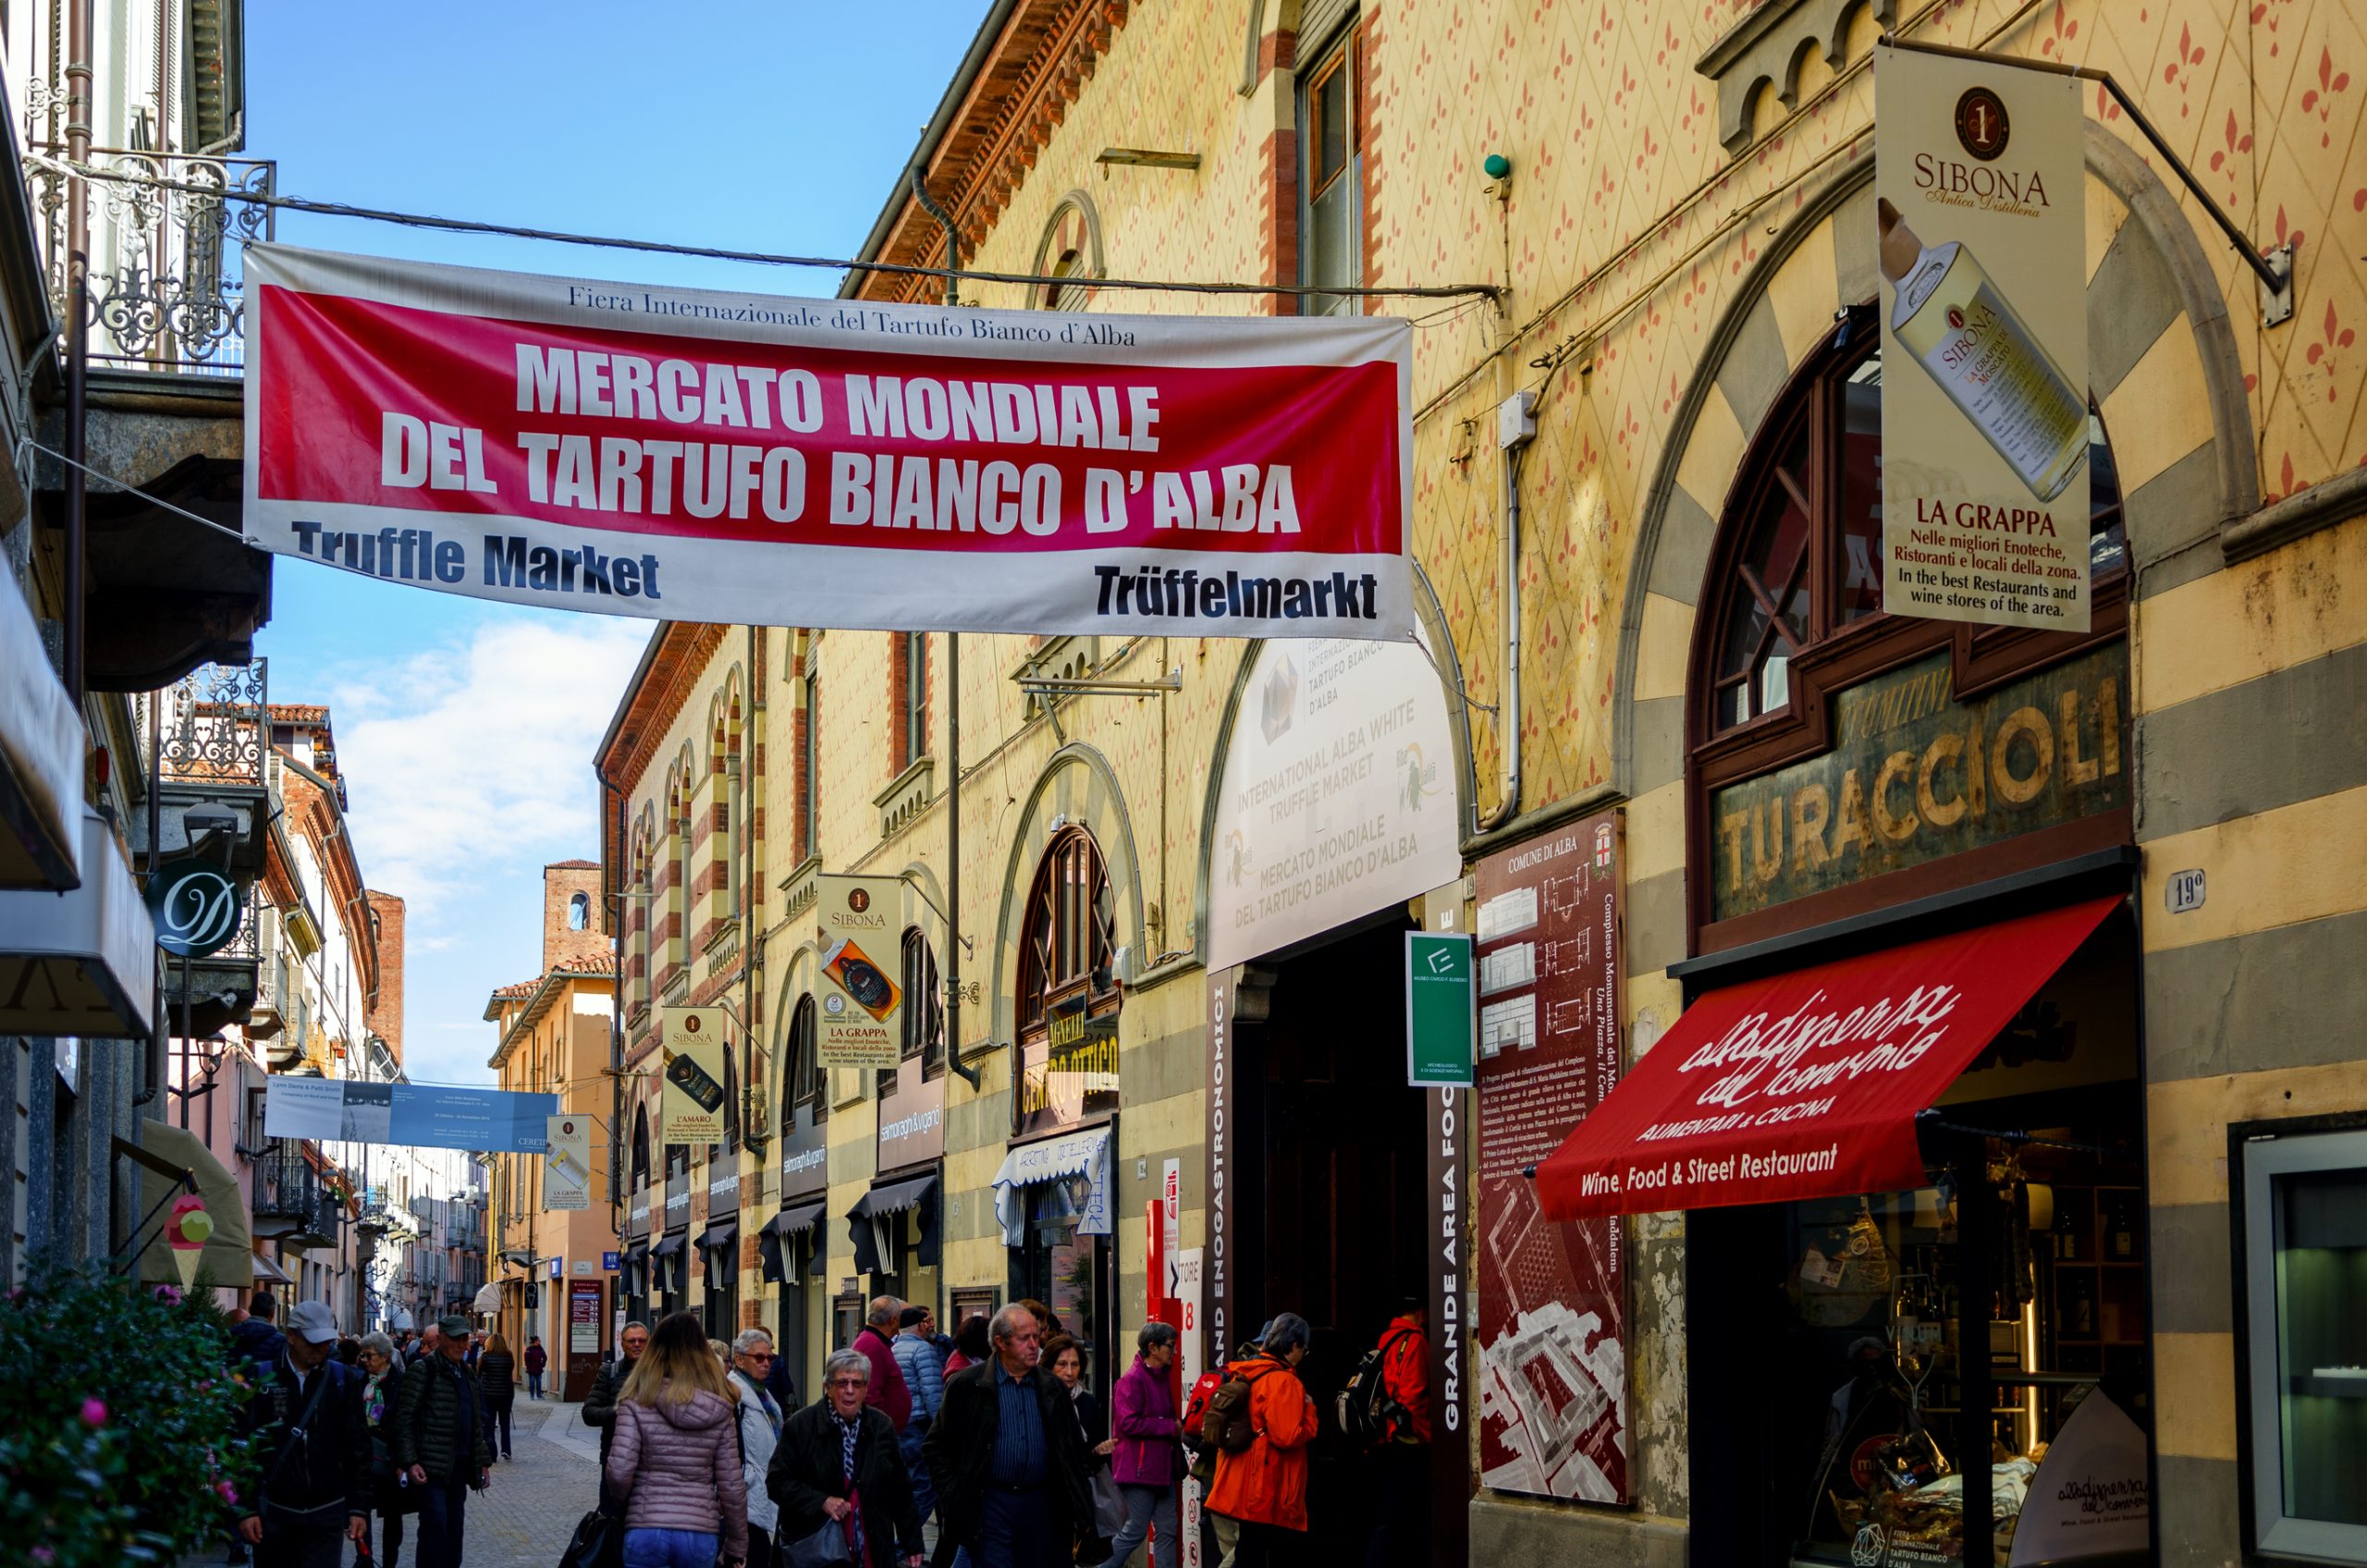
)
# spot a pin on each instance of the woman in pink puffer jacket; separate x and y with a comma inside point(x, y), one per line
point(676, 1458)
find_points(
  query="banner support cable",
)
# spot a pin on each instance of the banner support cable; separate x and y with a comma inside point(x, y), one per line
point(725, 253)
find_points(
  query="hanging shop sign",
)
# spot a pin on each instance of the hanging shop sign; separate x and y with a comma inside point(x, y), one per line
point(1979, 179)
point(861, 1005)
point(688, 455)
point(567, 1162)
point(1806, 1085)
point(692, 1043)
point(912, 1118)
point(196, 907)
point(419, 1115)
point(1339, 795)
point(1438, 1015)
point(1552, 1319)
point(1912, 778)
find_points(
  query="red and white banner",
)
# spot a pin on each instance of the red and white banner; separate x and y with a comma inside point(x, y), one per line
point(1806, 1085)
point(689, 454)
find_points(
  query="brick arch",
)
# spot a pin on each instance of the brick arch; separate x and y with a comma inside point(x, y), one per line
point(1074, 226)
point(2158, 337)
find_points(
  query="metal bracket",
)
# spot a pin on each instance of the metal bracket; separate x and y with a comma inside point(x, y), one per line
point(2273, 268)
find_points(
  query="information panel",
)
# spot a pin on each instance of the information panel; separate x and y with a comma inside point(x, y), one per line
point(1553, 1322)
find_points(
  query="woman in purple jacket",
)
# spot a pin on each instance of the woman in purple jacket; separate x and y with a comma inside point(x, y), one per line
point(1144, 1452)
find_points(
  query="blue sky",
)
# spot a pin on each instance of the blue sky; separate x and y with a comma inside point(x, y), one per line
point(466, 728)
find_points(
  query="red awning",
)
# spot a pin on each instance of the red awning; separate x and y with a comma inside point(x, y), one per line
point(1806, 1085)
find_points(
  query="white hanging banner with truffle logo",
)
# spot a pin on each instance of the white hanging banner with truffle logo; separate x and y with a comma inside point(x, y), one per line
point(1979, 181)
point(862, 928)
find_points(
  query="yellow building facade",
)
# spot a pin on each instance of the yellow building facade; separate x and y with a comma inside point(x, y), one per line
point(1685, 266)
point(558, 1267)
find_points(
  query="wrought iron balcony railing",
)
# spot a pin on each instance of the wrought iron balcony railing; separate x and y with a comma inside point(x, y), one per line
point(164, 286)
point(213, 725)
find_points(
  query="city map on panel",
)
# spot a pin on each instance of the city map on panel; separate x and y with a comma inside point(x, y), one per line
point(1553, 1297)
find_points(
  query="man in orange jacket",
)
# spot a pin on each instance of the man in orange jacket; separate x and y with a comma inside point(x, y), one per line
point(1264, 1485)
point(1401, 1461)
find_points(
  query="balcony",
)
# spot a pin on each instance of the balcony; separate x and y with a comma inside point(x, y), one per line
point(292, 1205)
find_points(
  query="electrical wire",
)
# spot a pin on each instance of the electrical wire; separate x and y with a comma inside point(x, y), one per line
point(726, 253)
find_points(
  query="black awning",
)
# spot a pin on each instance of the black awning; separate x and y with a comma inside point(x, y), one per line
point(893, 1198)
point(672, 1246)
point(794, 1220)
point(637, 1252)
point(791, 1230)
point(718, 1236)
point(866, 1219)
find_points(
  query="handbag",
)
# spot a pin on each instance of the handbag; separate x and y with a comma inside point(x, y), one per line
point(598, 1542)
point(823, 1548)
point(1108, 1505)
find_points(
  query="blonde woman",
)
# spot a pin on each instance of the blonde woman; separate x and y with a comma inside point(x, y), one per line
point(675, 1462)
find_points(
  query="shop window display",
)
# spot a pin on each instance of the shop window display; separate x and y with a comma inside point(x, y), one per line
point(1063, 1269)
point(2302, 1246)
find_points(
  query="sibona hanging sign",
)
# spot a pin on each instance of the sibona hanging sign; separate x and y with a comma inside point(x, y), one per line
point(692, 455)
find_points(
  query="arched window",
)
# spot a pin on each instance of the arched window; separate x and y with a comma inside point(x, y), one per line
point(730, 1106)
point(1068, 998)
point(1792, 642)
point(1070, 249)
point(1068, 944)
point(579, 911)
point(803, 1079)
point(1796, 579)
point(641, 1146)
point(923, 1005)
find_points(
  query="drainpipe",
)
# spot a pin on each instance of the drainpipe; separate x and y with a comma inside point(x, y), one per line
point(952, 236)
point(78, 266)
point(1515, 428)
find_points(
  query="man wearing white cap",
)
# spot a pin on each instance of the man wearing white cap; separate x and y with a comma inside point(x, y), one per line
point(313, 1493)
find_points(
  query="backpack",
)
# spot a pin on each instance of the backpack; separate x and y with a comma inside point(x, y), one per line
point(1195, 1406)
point(1368, 1414)
point(1225, 1424)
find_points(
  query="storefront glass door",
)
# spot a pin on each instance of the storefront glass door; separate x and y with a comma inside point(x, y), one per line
point(1065, 1271)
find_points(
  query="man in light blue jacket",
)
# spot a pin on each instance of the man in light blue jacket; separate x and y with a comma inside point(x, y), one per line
point(923, 1369)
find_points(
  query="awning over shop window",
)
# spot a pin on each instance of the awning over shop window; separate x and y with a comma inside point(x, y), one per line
point(671, 1246)
point(1085, 1153)
point(636, 1270)
point(671, 1264)
point(41, 757)
point(82, 962)
point(269, 1273)
point(226, 1257)
point(882, 1206)
point(1806, 1085)
point(488, 1299)
point(716, 1254)
point(786, 1233)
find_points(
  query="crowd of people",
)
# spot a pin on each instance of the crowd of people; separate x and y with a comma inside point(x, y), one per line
point(707, 1457)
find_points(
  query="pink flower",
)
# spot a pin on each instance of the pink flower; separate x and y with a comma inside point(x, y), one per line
point(43, 1554)
point(169, 1295)
point(230, 1493)
point(94, 1412)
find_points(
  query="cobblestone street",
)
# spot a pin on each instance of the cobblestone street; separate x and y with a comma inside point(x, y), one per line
point(523, 1520)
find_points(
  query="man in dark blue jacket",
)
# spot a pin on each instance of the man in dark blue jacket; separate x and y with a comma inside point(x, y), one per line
point(254, 1344)
point(313, 1494)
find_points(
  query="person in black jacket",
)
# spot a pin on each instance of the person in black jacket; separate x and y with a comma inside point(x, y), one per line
point(313, 1494)
point(497, 1378)
point(439, 1441)
point(1014, 1492)
point(837, 1445)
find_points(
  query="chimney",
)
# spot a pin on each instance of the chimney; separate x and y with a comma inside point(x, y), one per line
point(386, 1019)
point(574, 931)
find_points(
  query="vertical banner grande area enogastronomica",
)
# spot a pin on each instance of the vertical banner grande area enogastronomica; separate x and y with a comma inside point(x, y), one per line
point(1981, 184)
point(687, 455)
point(1553, 1322)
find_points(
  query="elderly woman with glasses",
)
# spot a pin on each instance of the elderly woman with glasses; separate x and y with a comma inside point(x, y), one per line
point(837, 1468)
point(390, 1501)
point(751, 1359)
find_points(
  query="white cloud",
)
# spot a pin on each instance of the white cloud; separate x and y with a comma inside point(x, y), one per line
point(469, 768)
point(474, 760)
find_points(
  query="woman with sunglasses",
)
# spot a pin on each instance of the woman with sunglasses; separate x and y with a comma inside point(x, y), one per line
point(760, 1418)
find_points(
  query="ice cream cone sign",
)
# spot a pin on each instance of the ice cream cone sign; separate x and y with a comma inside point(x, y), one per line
point(187, 1232)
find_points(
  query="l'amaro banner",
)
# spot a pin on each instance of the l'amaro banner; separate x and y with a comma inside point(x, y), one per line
point(688, 455)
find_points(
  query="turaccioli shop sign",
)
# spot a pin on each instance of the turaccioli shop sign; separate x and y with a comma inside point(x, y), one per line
point(1912, 778)
point(685, 455)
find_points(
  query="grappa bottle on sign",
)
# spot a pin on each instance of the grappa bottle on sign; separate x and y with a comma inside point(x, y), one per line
point(1984, 356)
